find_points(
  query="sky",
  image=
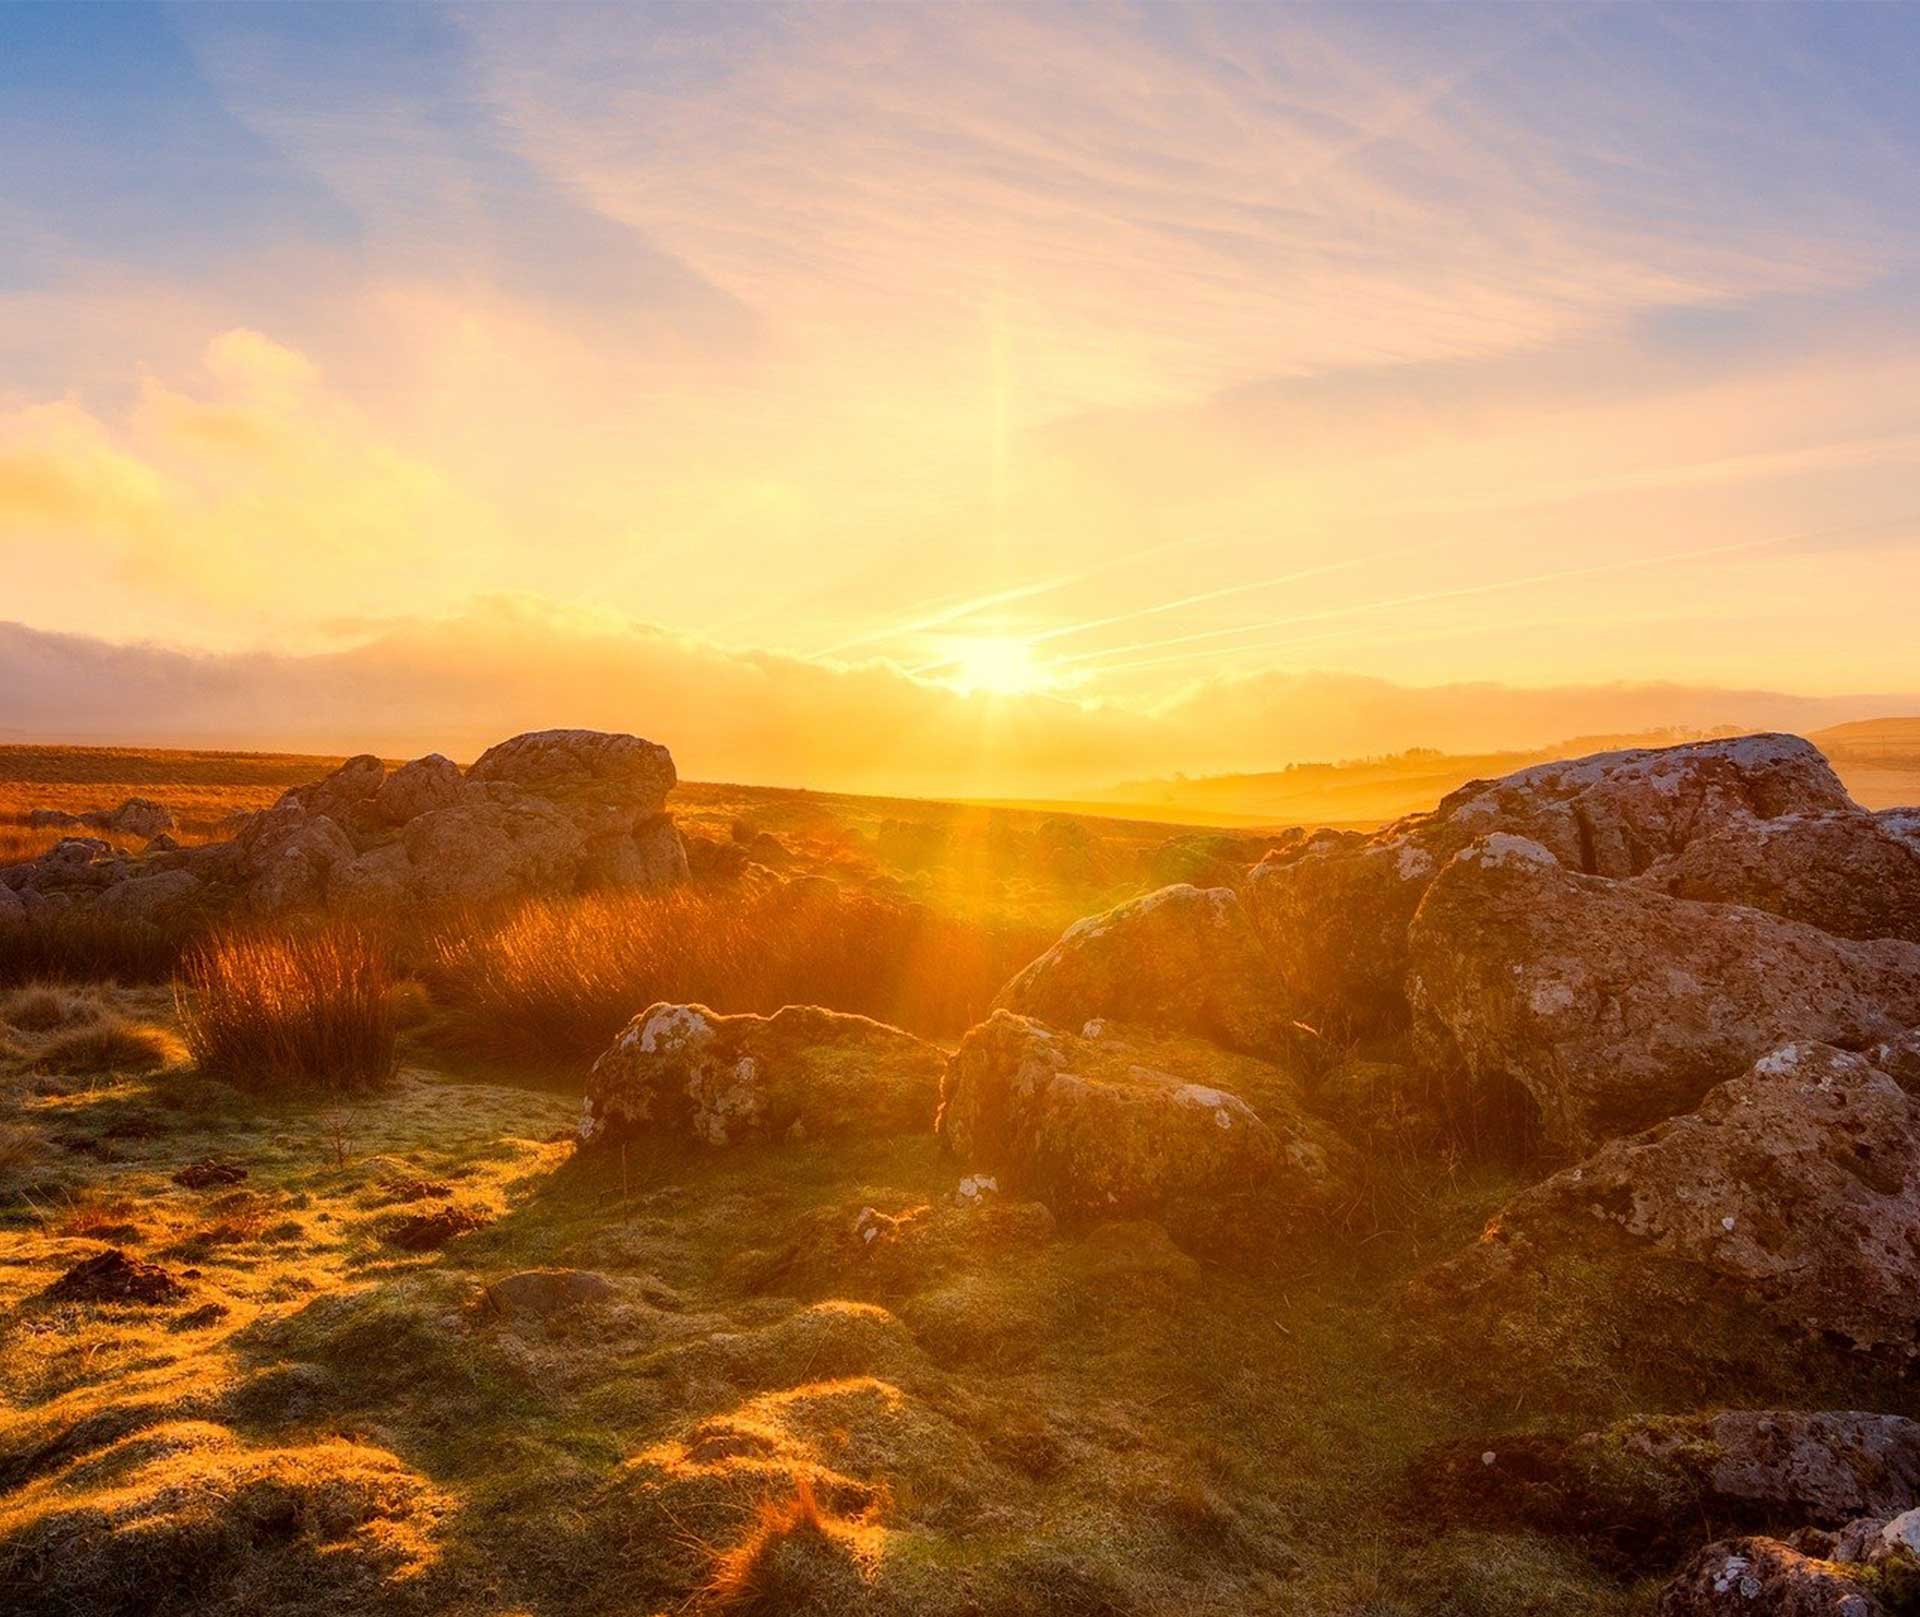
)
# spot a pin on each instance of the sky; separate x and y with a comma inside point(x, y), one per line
point(956, 398)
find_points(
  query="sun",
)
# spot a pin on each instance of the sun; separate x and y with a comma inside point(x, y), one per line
point(997, 664)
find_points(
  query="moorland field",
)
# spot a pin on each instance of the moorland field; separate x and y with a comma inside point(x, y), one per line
point(318, 1293)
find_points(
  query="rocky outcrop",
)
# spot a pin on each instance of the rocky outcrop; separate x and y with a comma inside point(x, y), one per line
point(557, 811)
point(1110, 1124)
point(137, 817)
point(1334, 909)
point(802, 1073)
point(1649, 1485)
point(1613, 1006)
point(1793, 1191)
point(1183, 958)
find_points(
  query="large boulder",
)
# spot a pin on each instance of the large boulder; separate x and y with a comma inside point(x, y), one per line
point(802, 1073)
point(1614, 1006)
point(1120, 1124)
point(620, 768)
point(1184, 958)
point(346, 796)
point(161, 898)
point(1334, 910)
point(1791, 1196)
point(1649, 1484)
point(477, 852)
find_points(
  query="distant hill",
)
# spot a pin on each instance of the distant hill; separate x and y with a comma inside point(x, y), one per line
point(1879, 759)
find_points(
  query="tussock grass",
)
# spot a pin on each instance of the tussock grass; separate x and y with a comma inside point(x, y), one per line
point(81, 947)
point(563, 976)
point(108, 1045)
point(44, 1007)
point(301, 1011)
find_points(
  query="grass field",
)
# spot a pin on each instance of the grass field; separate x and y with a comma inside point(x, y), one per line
point(319, 1409)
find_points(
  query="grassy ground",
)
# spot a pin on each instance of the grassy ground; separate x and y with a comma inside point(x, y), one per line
point(977, 1413)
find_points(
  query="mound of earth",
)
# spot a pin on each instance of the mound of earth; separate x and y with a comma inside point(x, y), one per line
point(113, 1277)
point(1614, 1006)
point(802, 1073)
point(188, 1519)
point(1791, 1194)
point(1105, 1124)
point(553, 811)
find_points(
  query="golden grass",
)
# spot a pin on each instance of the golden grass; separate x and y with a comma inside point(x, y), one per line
point(42, 1007)
point(306, 1010)
point(564, 975)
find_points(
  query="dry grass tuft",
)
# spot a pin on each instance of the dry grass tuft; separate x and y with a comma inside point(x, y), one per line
point(797, 1558)
point(564, 975)
point(303, 1011)
point(109, 1045)
point(41, 1008)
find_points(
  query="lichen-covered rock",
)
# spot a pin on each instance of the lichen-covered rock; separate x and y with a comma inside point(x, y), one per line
point(802, 1073)
point(289, 860)
point(1122, 1124)
point(1334, 910)
point(1753, 1576)
point(1184, 958)
point(1651, 1483)
point(1793, 1191)
point(160, 899)
point(346, 796)
point(480, 851)
point(636, 772)
point(1613, 1006)
point(1842, 871)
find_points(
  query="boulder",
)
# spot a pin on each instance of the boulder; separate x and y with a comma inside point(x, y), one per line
point(42, 818)
point(621, 768)
point(1649, 1484)
point(802, 1073)
point(136, 817)
point(1844, 872)
point(1183, 958)
point(480, 851)
point(346, 796)
point(1902, 823)
point(1334, 911)
point(1765, 1576)
point(290, 861)
point(652, 855)
point(163, 898)
point(1792, 1194)
point(13, 908)
point(417, 788)
point(1122, 1125)
point(1613, 1006)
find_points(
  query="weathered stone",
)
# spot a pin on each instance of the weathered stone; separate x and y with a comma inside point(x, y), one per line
point(652, 855)
point(1613, 1006)
point(346, 796)
point(417, 788)
point(1763, 1576)
point(623, 768)
point(1120, 1125)
point(291, 861)
point(161, 899)
point(1334, 912)
point(1844, 872)
point(1652, 1483)
point(136, 817)
point(802, 1073)
point(1184, 958)
point(1794, 1190)
point(481, 851)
